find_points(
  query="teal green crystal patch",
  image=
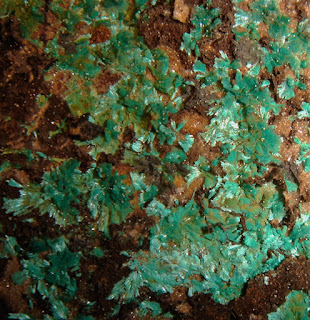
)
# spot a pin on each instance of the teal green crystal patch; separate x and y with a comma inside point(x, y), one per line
point(296, 306)
point(50, 275)
point(64, 189)
point(205, 19)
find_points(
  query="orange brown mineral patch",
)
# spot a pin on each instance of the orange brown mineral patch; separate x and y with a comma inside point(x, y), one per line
point(105, 80)
point(181, 11)
point(100, 34)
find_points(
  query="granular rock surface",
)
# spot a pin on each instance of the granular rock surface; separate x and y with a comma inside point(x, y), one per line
point(154, 159)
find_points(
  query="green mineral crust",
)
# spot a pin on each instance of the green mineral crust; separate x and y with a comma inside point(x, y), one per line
point(208, 143)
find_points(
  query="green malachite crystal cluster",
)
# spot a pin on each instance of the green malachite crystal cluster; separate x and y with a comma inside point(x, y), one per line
point(217, 220)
